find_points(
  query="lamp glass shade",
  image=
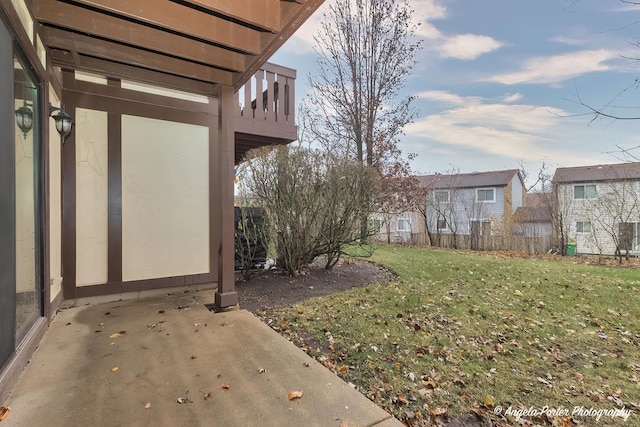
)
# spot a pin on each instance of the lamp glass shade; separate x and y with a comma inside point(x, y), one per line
point(63, 123)
point(24, 119)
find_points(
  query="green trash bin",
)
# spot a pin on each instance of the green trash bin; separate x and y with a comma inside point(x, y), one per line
point(571, 249)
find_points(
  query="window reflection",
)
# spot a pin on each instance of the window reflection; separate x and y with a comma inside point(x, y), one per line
point(27, 289)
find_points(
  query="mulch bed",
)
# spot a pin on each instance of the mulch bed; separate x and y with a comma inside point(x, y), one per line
point(274, 289)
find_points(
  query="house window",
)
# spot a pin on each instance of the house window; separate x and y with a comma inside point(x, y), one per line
point(481, 228)
point(485, 195)
point(404, 224)
point(441, 196)
point(442, 224)
point(586, 191)
point(375, 225)
point(583, 226)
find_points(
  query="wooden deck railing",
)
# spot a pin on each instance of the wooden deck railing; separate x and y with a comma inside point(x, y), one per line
point(269, 95)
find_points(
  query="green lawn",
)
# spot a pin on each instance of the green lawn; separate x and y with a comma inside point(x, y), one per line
point(460, 333)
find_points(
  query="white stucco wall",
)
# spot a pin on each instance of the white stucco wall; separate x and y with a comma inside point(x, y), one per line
point(91, 196)
point(165, 198)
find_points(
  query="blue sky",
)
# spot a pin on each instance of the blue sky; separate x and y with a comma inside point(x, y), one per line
point(498, 82)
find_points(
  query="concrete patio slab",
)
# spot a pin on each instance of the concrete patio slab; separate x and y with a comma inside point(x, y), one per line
point(127, 363)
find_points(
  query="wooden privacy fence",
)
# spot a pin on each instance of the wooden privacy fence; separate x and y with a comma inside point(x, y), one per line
point(532, 245)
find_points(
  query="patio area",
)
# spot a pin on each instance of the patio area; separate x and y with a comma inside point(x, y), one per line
point(133, 362)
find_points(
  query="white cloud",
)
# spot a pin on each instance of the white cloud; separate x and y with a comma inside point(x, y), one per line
point(467, 46)
point(512, 97)
point(554, 69)
point(442, 96)
point(509, 131)
point(461, 46)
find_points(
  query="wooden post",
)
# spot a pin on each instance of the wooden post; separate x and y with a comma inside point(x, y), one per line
point(226, 296)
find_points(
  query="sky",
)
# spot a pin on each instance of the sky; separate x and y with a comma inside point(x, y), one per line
point(499, 83)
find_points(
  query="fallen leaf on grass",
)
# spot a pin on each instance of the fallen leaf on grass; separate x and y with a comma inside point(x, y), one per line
point(225, 387)
point(489, 402)
point(114, 369)
point(4, 411)
point(294, 394)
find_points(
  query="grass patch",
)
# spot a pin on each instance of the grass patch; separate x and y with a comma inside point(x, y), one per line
point(460, 334)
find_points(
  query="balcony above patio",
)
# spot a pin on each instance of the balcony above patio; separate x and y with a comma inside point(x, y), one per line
point(265, 112)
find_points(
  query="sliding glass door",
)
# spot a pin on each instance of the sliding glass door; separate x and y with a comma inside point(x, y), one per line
point(27, 198)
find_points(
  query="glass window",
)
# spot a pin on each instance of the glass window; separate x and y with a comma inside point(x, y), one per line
point(441, 196)
point(442, 224)
point(485, 195)
point(404, 224)
point(587, 191)
point(583, 226)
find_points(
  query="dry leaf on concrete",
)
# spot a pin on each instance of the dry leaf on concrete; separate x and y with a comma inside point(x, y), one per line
point(115, 368)
point(294, 394)
point(4, 411)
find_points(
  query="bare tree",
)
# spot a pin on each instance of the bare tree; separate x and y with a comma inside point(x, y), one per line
point(615, 212)
point(366, 51)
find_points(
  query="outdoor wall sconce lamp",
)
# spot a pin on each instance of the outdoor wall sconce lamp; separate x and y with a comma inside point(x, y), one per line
point(24, 118)
point(63, 121)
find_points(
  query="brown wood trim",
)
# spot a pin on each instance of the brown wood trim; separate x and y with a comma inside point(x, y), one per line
point(68, 167)
point(143, 285)
point(115, 107)
point(104, 67)
point(114, 263)
point(183, 20)
point(132, 108)
point(130, 55)
point(214, 212)
point(46, 200)
point(83, 20)
point(226, 295)
point(114, 91)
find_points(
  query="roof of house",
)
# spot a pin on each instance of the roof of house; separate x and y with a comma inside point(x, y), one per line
point(532, 214)
point(468, 180)
point(612, 172)
point(534, 200)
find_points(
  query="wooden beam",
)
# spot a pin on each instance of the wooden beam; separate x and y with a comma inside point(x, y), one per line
point(181, 19)
point(86, 45)
point(112, 69)
point(83, 20)
point(264, 14)
point(293, 15)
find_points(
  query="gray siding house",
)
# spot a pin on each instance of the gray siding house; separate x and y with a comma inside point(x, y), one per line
point(475, 204)
point(598, 208)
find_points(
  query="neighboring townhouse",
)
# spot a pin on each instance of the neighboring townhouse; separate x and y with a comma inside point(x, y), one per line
point(136, 197)
point(398, 227)
point(534, 218)
point(598, 208)
point(478, 204)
